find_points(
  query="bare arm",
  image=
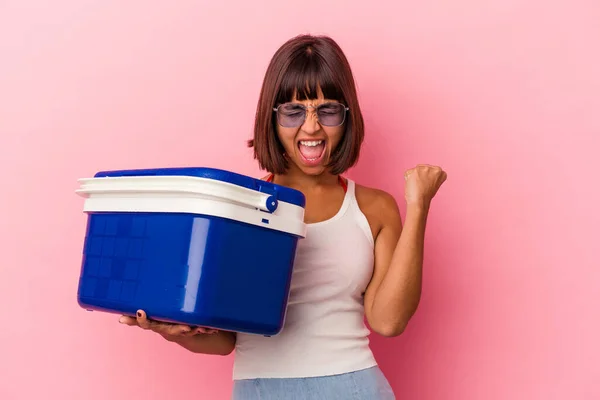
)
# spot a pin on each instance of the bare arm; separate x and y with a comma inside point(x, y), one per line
point(394, 292)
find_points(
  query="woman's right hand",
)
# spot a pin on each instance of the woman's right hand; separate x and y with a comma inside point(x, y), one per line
point(167, 330)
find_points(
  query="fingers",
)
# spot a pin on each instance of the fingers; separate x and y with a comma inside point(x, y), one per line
point(206, 331)
point(126, 320)
point(426, 168)
point(141, 319)
point(175, 330)
point(160, 327)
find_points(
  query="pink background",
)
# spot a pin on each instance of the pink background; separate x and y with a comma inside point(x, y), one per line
point(503, 94)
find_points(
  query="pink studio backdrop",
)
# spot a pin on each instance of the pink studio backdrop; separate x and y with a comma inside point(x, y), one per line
point(503, 94)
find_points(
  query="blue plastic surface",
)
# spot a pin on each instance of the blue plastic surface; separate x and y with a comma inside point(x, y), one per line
point(188, 268)
point(282, 193)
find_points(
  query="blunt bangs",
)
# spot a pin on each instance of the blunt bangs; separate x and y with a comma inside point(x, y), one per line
point(306, 74)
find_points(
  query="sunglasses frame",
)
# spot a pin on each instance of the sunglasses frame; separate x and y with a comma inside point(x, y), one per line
point(316, 108)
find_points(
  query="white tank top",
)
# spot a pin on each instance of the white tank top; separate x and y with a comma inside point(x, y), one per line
point(324, 331)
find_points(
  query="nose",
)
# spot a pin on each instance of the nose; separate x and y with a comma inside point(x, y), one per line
point(311, 122)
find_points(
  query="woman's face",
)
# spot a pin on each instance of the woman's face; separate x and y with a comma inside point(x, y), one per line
point(309, 146)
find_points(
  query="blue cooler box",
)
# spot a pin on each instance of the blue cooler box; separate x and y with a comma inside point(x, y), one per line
point(197, 246)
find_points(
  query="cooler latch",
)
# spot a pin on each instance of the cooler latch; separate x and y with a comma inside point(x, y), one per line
point(271, 201)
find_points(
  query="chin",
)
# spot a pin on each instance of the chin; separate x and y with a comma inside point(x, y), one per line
point(313, 171)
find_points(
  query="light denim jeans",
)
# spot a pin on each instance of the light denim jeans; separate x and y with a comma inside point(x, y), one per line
point(366, 384)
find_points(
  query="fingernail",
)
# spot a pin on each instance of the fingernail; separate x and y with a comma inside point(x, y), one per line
point(139, 314)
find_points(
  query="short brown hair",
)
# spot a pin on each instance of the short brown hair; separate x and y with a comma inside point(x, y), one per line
point(300, 67)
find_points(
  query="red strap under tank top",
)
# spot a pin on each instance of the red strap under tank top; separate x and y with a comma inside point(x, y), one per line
point(340, 179)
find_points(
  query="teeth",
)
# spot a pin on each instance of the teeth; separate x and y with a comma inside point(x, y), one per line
point(310, 143)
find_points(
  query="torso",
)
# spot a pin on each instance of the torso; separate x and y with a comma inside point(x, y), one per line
point(324, 332)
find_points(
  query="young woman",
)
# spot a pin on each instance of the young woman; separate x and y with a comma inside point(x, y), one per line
point(357, 261)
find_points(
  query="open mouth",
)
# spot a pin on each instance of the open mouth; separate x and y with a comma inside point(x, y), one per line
point(311, 151)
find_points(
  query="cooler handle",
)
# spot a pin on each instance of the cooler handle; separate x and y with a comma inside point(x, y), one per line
point(179, 184)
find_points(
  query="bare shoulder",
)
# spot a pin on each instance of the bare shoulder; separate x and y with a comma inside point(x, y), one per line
point(379, 206)
point(375, 199)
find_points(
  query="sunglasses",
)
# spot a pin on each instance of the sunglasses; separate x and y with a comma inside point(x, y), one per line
point(293, 115)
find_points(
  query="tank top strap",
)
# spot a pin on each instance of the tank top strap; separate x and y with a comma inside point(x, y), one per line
point(349, 188)
point(357, 213)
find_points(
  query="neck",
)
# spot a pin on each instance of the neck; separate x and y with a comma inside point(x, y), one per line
point(294, 177)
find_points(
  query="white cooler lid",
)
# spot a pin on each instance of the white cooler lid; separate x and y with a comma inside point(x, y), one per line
point(197, 191)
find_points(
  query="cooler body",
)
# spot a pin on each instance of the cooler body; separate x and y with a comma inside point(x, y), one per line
point(189, 257)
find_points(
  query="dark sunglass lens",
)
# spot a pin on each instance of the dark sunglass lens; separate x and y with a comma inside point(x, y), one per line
point(331, 114)
point(291, 115)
